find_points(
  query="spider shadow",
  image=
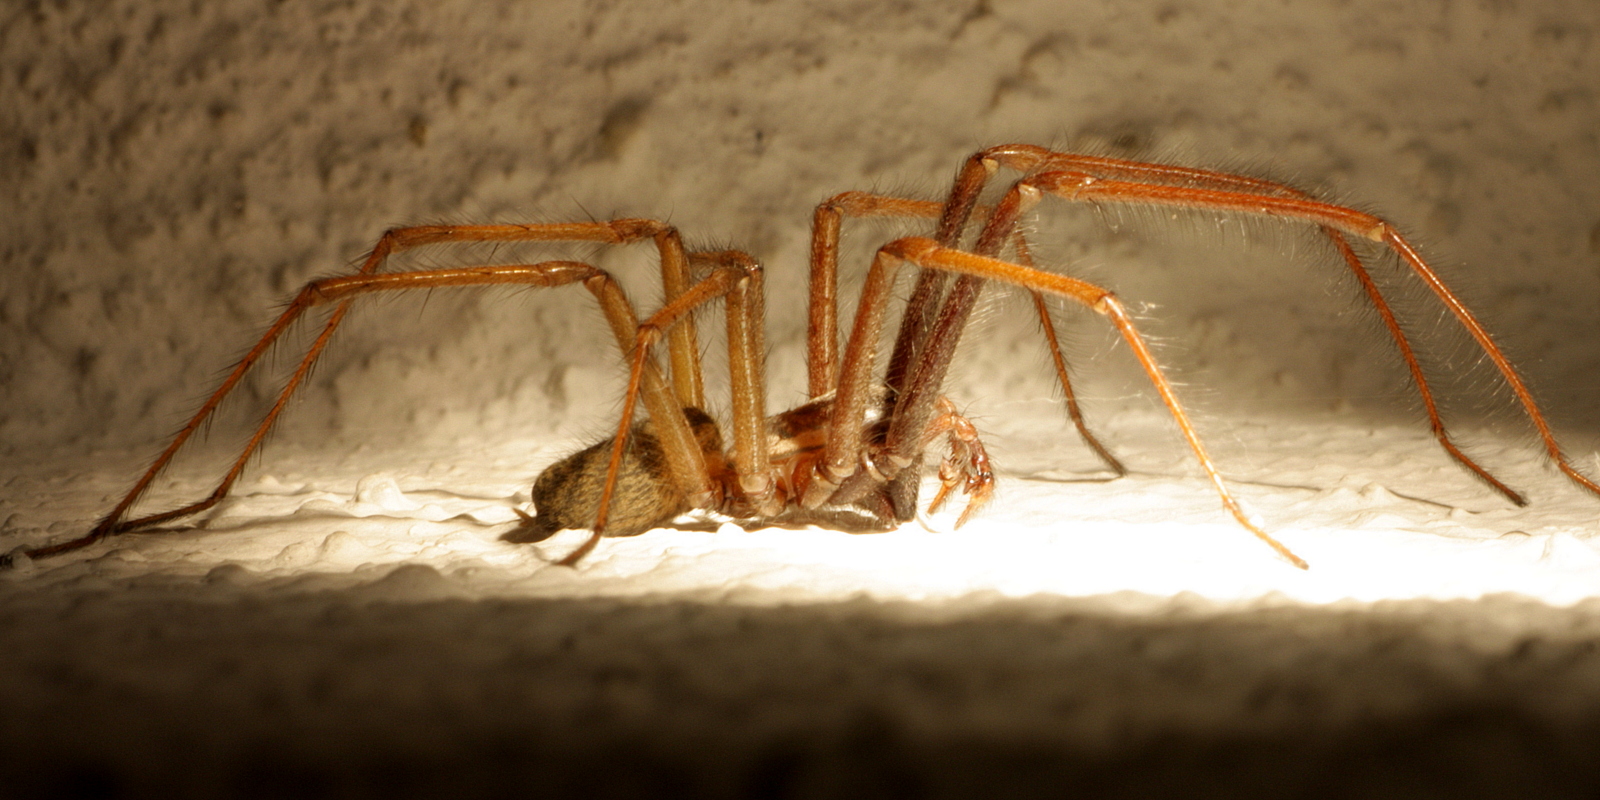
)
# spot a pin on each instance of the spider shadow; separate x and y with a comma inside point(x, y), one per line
point(532, 530)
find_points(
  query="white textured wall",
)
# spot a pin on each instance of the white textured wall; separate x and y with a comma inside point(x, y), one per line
point(170, 171)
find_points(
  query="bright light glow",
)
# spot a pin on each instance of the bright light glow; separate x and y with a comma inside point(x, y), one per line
point(1379, 514)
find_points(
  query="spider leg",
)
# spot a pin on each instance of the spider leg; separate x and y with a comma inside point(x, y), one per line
point(683, 342)
point(396, 240)
point(921, 312)
point(747, 353)
point(916, 324)
point(928, 333)
point(738, 278)
point(1033, 159)
point(341, 290)
point(822, 328)
point(1059, 361)
point(915, 405)
point(928, 254)
point(1083, 187)
point(836, 477)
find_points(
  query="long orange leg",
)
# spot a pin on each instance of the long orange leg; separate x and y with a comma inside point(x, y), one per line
point(930, 327)
point(341, 291)
point(845, 447)
point(737, 277)
point(1032, 159)
point(822, 358)
point(915, 405)
point(1059, 361)
point(1083, 187)
point(934, 319)
point(822, 328)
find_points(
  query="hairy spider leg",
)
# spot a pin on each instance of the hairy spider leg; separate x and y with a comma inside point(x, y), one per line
point(1029, 159)
point(913, 388)
point(920, 358)
point(822, 337)
point(685, 352)
point(931, 310)
point(737, 278)
point(918, 325)
point(1059, 360)
point(845, 448)
point(1084, 187)
point(931, 331)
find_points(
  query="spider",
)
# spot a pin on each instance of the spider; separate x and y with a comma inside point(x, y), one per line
point(853, 454)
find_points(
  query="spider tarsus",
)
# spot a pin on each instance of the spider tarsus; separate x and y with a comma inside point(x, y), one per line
point(1578, 477)
point(1517, 499)
point(1280, 547)
point(577, 555)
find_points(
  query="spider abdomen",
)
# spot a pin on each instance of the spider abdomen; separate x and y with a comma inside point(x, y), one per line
point(567, 494)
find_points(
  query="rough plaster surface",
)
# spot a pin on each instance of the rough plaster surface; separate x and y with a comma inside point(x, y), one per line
point(351, 625)
point(172, 172)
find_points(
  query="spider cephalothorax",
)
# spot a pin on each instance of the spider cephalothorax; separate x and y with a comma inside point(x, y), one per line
point(567, 494)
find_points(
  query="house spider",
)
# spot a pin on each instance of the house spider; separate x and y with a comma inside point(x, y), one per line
point(856, 448)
